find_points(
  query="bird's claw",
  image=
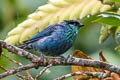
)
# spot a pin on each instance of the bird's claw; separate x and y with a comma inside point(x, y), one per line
point(69, 56)
point(62, 57)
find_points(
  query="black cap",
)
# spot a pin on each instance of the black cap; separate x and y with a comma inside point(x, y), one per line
point(74, 22)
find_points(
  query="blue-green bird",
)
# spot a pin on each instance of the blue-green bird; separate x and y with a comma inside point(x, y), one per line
point(55, 39)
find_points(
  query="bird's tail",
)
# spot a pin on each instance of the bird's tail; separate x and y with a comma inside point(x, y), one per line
point(26, 46)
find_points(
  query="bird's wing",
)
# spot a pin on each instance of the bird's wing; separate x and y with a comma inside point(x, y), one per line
point(46, 32)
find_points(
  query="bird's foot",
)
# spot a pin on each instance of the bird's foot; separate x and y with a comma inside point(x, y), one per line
point(62, 57)
point(69, 58)
point(42, 56)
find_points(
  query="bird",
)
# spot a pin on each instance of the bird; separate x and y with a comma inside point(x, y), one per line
point(54, 40)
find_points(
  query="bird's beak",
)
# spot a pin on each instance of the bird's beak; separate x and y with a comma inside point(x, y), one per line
point(80, 25)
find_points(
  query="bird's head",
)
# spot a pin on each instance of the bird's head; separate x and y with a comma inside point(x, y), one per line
point(74, 22)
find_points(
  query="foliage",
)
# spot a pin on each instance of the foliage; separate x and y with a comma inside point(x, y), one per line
point(95, 15)
point(58, 10)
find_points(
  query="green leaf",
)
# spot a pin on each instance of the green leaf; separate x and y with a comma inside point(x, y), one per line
point(115, 0)
point(108, 20)
point(88, 19)
point(105, 18)
point(4, 50)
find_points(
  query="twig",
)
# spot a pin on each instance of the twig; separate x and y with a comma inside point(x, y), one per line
point(13, 71)
point(38, 61)
point(16, 62)
point(41, 72)
point(29, 75)
point(3, 68)
point(99, 75)
point(18, 75)
point(18, 51)
point(20, 64)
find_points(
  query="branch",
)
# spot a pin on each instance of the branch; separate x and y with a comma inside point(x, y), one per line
point(74, 61)
point(38, 61)
point(18, 51)
point(100, 75)
point(13, 71)
point(41, 72)
point(18, 75)
point(20, 64)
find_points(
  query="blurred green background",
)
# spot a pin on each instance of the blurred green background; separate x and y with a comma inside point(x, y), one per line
point(13, 12)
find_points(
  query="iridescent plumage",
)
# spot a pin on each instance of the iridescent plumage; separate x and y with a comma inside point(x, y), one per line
point(55, 39)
